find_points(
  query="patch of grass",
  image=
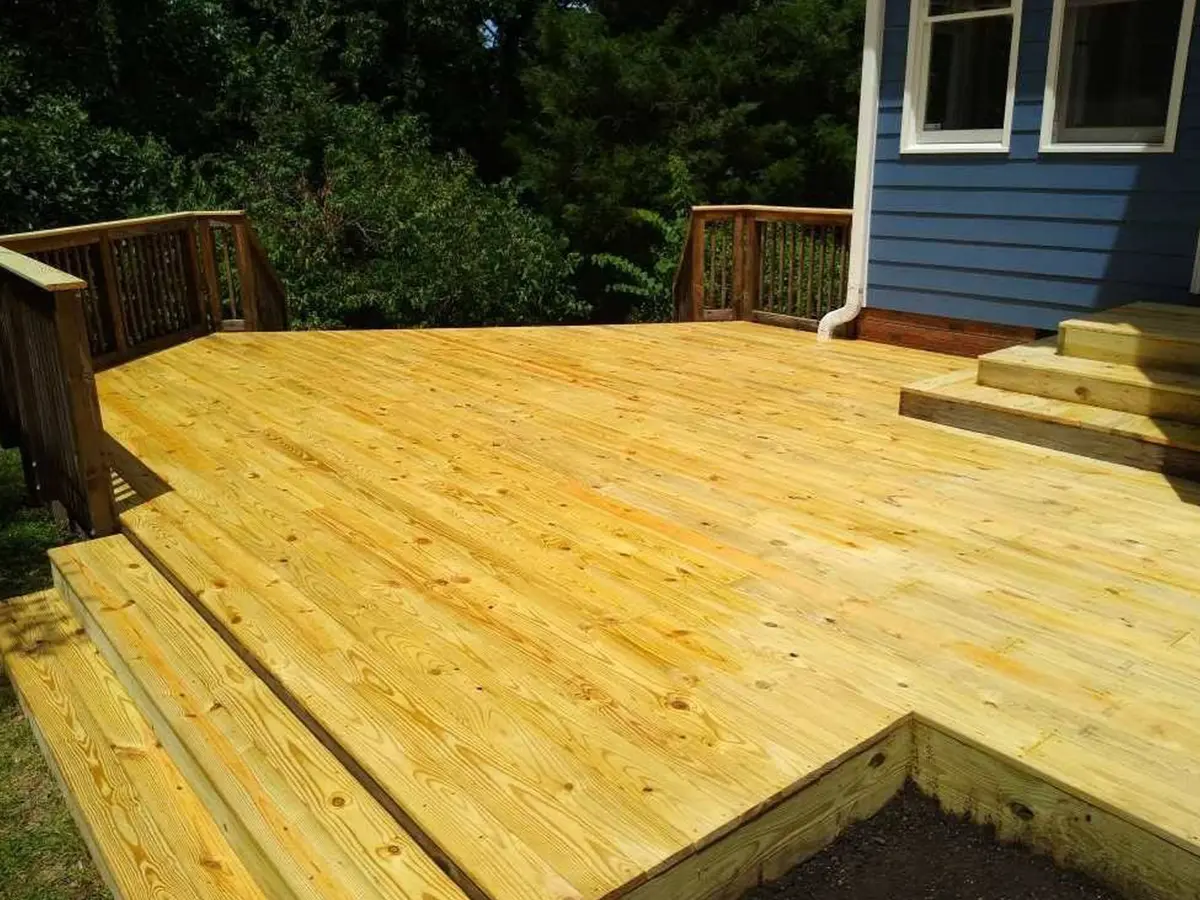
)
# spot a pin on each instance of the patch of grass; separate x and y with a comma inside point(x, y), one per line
point(26, 533)
point(42, 856)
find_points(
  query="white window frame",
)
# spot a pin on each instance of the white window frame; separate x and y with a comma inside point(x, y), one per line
point(914, 138)
point(1112, 140)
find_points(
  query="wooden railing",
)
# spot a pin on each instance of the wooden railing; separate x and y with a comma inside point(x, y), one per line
point(76, 300)
point(160, 280)
point(48, 403)
point(777, 264)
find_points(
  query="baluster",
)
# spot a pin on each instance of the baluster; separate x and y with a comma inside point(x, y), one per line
point(112, 293)
point(697, 274)
point(208, 254)
point(246, 276)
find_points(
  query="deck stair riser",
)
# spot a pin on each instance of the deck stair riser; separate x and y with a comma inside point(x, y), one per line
point(302, 824)
point(1038, 369)
point(1146, 335)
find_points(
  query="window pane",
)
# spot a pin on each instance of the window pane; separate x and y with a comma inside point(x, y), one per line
point(1117, 63)
point(946, 7)
point(968, 73)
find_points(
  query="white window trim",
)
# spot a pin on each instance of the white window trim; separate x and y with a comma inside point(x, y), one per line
point(1110, 140)
point(913, 137)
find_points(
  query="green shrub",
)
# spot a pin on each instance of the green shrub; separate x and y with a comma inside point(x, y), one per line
point(368, 228)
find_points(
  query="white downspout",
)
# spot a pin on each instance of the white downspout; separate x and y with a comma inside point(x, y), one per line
point(864, 172)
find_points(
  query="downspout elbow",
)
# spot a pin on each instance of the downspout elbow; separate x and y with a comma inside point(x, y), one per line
point(843, 315)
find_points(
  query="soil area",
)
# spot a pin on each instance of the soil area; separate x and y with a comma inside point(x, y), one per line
point(911, 850)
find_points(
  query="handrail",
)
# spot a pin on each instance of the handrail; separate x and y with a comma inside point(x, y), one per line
point(48, 402)
point(778, 264)
point(158, 280)
point(16, 240)
point(38, 273)
point(76, 300)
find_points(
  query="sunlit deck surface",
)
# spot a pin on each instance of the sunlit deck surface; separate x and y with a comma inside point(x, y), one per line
point(580, 600)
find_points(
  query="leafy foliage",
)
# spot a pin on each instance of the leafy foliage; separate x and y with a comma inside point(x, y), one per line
point(652, 286)
point(370, 229)
point(427, 162)
point(757, 99)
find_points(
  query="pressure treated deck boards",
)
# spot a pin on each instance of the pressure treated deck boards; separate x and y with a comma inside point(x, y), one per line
point(148, 831)
point(581, 600)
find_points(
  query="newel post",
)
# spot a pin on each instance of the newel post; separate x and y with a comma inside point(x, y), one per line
point(697, 269)
point(247, 277)
point(747, 264)
point(84, 410)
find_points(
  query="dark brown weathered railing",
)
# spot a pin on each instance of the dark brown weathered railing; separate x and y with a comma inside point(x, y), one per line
point(48, 402)
point(783, 265)
point(161, 280)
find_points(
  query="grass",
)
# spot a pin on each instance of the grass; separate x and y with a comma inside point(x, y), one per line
point(42, 856)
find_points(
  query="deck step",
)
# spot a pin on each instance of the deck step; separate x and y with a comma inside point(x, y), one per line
point(1128, 438)
point(1040, 370)
point(146, 828)
point(1147, 335)
point(299, 820)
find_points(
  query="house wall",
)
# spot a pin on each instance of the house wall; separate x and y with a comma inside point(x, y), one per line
point(1025, 238)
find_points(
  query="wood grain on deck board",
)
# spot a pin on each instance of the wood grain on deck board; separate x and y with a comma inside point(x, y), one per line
point(147, 830)
point(583, 600)
point(296, 817)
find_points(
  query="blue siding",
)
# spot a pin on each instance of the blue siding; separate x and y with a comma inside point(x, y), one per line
point(1028, 238)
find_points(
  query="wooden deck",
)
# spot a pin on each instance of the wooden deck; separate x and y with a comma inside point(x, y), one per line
point(579, 602)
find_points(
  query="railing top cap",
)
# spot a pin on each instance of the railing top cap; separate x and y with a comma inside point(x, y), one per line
point(46, 277)
point(777, 210)
point(122, 224)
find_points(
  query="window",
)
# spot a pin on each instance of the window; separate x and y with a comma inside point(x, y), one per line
point(962, 63)
point(1115, 74)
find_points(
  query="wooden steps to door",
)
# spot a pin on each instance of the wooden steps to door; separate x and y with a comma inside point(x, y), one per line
point(301, 824)
point(1123, 386)
point(1148, 335)
point(147, 828)
point(1038, 369)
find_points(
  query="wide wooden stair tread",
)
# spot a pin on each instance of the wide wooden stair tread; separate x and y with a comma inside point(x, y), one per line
point(302, 824)
point(1156, 335)
point(146, 827)
point(1038, 369)
point(1123, 385)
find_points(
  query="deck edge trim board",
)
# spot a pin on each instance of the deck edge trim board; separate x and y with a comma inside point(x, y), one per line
point(853, 786)
point(1040, 812)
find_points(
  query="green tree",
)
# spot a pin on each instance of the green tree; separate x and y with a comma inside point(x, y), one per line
point(652, 287)
point(367, 226)
point(757, 97)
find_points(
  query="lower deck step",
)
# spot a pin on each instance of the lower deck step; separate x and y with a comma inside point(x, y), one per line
point(305, 827)
point(146, 828)
point(1127, 438)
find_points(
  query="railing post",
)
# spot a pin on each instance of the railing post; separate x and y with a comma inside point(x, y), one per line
point(746, 264)
point(246, 276)
point(754, 267)
point(739, 264)
point(208, 260)
point(697, 273)
point(191, 275)
point(112, 293)
point(84, 411)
